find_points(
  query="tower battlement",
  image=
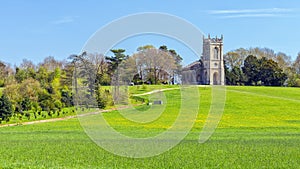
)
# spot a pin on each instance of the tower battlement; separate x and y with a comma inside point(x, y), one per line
point(214, 40)
point(209, 70)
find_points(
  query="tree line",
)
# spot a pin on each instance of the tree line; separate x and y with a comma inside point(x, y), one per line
point(261, 66)
point(35, 90)
point(47, 88)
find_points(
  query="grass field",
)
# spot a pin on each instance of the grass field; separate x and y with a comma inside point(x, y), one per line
point(260, 128)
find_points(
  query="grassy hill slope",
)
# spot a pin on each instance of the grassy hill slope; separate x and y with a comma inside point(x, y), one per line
point(260, 128)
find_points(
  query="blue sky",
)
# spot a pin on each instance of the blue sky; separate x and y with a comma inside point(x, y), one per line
point(34, 29)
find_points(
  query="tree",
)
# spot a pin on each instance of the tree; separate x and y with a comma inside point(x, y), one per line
point(296, 64)
point(12, 91)
point(26, 104)
point(101, 68)
point(228, 77)
point(45, 101)
point(113, 65)
point(291, 76)
point(270, 73)
point(263, 70)
point(129, 69)
point(30, 88)
point(66, 97)
point(6, 110)
point(233, 59)
point(104, 98)
point(235, 76)
point(115, 61)
point(238, 76)
point(153, 65)
point(283, 60)
point(50, 63)
point(84, 78)
point(27, 64)
point(42, 76)
point(238, 58)
point(177, 58)
point(67, 75)
point(262, 52)
point(20, 75)
point(146, 47)
point(251, 69)
point(3, 73)
point(28, 68)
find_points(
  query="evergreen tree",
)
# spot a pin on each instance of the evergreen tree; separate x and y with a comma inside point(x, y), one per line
point(6, 110)
point(251, 70)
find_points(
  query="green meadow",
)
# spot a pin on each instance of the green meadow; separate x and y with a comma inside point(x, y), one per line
point(260, 128)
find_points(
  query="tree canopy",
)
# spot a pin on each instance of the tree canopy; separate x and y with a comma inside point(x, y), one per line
point(259, 66)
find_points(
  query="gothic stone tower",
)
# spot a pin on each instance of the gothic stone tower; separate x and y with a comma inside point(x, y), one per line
point(212, 59)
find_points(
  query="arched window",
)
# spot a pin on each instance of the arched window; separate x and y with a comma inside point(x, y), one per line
point(216, 53)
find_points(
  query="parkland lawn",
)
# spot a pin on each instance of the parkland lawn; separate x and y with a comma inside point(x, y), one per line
point(260, 128)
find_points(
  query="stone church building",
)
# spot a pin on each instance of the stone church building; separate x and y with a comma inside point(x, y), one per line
point(209, 70)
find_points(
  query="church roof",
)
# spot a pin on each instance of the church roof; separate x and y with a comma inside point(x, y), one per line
point(193, 65)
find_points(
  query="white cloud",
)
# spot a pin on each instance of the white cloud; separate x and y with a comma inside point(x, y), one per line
point(250, 15)
point(63, 20)
point(240, 13)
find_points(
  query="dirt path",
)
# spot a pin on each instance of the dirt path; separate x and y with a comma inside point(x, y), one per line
point(63, 118)
point(155, 91)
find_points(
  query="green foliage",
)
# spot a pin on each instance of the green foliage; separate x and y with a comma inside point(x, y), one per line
point(270, 73)
point(6, 110)
point(1, 89)
point(1, 82)
point(235, 76)
point(103, 98)
point(45, 101)
point(251, 69)
point(27, 115)
point(273, 69)
point(39, 88)
point(115, 60)
point(297, 84)
point(256, 71)
point(20, 75)
point(26, 104)
point(42, 76)
point(66, 98)
point(3, 73)
point(58, 104)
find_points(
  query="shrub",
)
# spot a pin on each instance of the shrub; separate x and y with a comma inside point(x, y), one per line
point(104, 98)
point(50, 113)
point(27, 115)
point(58, 104)
point(297, 83)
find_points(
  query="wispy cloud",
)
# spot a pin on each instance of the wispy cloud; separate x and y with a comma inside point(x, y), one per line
point(240, 13)
point(63, 20)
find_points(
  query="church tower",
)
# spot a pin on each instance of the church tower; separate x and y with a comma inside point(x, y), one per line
point(213, 62)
